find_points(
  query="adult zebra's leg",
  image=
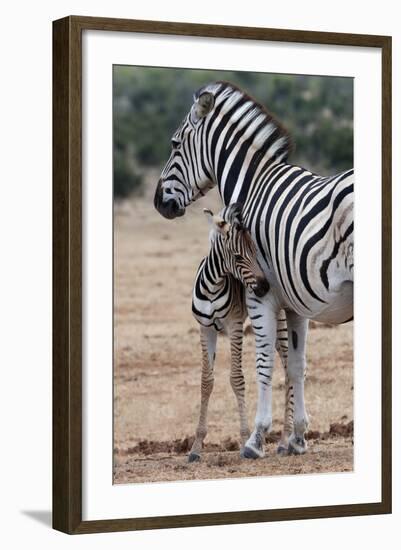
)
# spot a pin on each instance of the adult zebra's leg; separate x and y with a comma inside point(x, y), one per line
point(208, 337)
point(297, 331)
point(237, 379)
point(264, 324)
point(282, 348)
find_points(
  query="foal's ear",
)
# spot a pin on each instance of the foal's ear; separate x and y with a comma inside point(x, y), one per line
point(217, 222)
point(209, 215)
point(235, 213)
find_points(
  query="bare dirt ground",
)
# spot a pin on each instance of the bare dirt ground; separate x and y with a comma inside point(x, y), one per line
point(157, 365)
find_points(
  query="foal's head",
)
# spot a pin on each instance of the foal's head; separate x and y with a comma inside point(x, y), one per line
point(234, 250)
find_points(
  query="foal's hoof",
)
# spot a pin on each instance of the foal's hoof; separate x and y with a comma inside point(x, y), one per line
point(282, 450)
point(297, 446)
point(194, 457)
point(252, 452)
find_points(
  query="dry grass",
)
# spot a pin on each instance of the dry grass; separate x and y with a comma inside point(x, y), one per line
point(157, 361)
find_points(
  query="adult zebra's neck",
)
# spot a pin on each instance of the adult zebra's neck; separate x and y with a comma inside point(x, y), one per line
point(244, 139)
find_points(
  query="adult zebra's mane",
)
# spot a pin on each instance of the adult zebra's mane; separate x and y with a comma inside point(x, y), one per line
point(268, 130)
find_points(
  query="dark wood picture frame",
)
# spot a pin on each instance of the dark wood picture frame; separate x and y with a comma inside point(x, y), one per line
point(67, 274)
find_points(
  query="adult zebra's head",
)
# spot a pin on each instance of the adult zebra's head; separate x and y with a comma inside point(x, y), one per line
point(225, 138)
point(185, 177)
point(233, 250)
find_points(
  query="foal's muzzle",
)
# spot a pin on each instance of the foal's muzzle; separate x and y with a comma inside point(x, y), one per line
point(262, 287)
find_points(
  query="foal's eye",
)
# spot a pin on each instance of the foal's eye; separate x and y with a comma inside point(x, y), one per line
point(237, 257)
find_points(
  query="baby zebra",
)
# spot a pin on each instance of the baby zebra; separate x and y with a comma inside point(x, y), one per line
point(218, 303)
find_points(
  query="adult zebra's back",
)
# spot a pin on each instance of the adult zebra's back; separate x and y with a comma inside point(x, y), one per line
point(302, 224)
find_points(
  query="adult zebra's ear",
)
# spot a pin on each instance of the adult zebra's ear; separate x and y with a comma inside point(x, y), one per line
point(204, 103)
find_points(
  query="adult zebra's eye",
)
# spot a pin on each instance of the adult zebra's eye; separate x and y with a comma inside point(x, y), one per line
point(175, 143)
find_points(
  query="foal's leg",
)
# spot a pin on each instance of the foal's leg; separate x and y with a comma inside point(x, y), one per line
point(208, 336)
point(262, 313)
point(297, 332)
point(282, 348)
point(237, 379)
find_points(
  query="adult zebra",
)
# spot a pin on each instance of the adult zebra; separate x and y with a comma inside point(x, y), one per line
point(301, 222)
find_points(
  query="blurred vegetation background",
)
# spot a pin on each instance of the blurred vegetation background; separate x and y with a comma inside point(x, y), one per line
point(149, 103)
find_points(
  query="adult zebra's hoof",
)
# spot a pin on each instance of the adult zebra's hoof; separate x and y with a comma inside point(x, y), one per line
point(194, 457)
point(297, 446)
point(252, 452)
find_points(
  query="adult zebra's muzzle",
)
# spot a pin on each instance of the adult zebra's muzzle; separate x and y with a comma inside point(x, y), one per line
point(168, 208)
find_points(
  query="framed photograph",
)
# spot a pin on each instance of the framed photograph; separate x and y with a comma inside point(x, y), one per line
point(213, 361)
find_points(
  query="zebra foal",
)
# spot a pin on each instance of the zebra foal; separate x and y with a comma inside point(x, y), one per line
point(218, 303)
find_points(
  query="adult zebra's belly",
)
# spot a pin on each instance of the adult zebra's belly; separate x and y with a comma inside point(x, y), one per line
point(339, 307)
